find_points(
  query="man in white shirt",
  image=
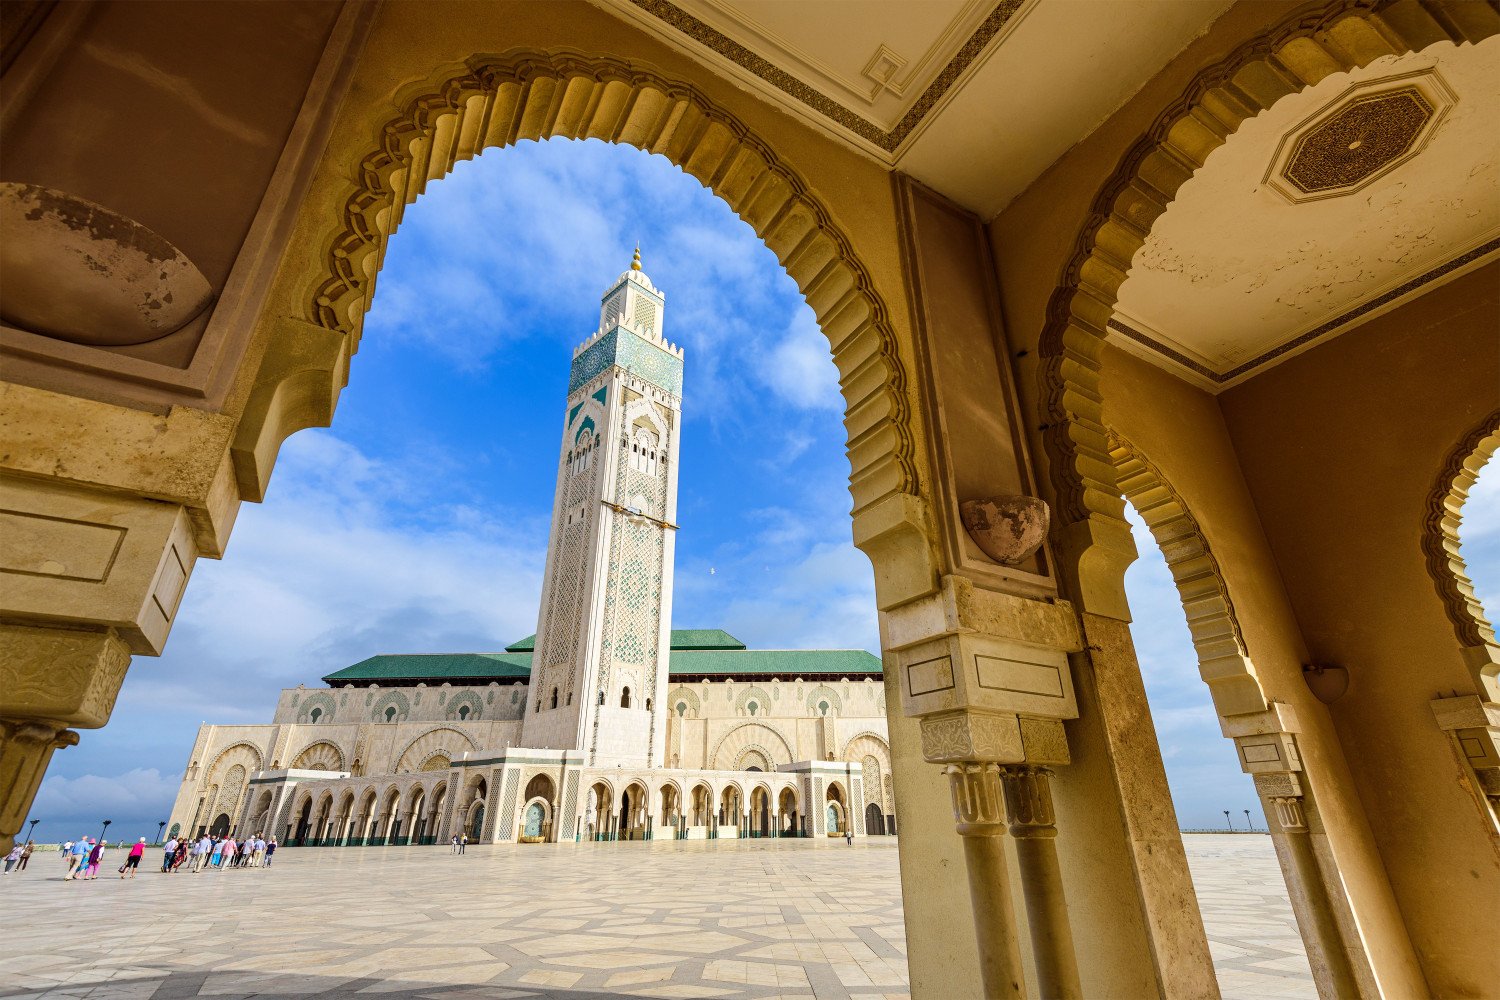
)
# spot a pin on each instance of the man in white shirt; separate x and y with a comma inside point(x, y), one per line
point(200, 853)
point(169, 849)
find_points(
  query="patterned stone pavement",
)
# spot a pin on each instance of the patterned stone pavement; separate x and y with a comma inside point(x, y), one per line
point(751, 920)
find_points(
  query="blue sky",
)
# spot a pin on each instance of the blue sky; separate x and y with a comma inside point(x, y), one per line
point(418, 522)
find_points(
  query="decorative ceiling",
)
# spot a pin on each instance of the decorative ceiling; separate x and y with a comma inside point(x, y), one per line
point(1337, 204)
point(1014, 83)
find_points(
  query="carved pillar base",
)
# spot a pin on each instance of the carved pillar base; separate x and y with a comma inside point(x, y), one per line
point(980, 820)
point(52, 679)
point(1028, 800)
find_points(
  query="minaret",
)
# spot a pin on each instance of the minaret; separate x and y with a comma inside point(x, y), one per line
point(599, 673)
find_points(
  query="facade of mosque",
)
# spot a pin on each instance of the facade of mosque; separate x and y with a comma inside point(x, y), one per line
point(605, 724)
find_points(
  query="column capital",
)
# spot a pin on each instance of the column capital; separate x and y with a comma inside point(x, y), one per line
point(1028, 800)
point(978, 803)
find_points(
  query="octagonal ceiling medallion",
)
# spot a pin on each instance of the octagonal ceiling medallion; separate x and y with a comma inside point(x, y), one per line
point(1362, 135)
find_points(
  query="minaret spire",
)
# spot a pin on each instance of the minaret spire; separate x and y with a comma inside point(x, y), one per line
point(635, 265)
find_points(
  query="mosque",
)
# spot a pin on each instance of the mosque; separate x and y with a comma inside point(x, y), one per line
point(607, 724)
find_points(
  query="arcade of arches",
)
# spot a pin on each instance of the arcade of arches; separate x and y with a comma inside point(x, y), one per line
point(1235, 260)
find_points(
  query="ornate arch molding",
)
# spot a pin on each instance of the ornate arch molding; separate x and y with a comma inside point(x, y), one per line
point(496, 101)
point(881, 741)
point(1304, 49)
point(745, 736)
point(212, 771)
point(1440, 544)
point(1223, 660)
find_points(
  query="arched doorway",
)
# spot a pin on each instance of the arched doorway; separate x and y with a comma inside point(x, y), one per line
point(220, 826)
point(835, 810)
point(789, 824)
point(874, 821)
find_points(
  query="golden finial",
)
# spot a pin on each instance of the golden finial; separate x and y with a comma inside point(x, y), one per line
point(635, 265)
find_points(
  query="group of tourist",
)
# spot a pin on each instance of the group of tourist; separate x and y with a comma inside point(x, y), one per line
point(18, 856)
point(212, 851)
point(84, 855)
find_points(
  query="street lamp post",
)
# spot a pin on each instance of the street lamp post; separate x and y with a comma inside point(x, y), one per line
point(1228, 820)
point(104, 830)
point(159, 828)
point(30, 834)
point(1248, 824)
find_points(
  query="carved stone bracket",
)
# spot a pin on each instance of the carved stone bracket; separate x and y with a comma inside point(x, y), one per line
point(26, 746)
point(1474, 725)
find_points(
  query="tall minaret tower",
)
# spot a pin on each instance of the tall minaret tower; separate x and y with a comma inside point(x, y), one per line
point(599, 673)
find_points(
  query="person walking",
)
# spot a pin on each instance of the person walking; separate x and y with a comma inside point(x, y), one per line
point(216, 854)
point(77, 850)
point(133, 859)
point(463, 842)
point(26, 854)
point(179, 858)
point(13, 858)
point(454, 847)
point(169, 851)
point(270, 850)
point(96, 855)
point(200, 852)
point(849, 835)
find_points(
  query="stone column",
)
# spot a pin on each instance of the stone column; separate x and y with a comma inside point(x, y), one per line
point(980, 820)
point(1028, 801)
point(1320, 926)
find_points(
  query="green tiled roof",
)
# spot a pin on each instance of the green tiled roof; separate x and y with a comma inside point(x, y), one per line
point(686, 664)
point(436, 666)
point(766, 662)
point(682, 638)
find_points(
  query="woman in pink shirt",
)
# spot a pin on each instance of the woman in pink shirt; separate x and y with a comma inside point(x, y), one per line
point(229, 849)
point(133, 861)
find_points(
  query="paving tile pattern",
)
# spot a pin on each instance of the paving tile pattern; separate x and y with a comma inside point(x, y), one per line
point(752, 920)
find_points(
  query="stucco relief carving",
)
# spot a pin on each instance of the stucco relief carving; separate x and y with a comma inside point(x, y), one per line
point(968, 737)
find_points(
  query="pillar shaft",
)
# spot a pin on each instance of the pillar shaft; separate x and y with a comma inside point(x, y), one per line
point(1028, 801)
point(980, 821)
point(1320, 926)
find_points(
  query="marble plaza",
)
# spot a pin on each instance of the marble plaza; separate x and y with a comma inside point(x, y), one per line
point(758, 920)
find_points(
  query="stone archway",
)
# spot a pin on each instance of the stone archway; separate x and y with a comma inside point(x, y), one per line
point(1440, 544)
point(497, 101)
point(1088, 508)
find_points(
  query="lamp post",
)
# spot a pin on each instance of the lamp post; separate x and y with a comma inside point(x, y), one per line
point(1228, 820)
point(159, 828)
point(105, 830)
point(32, 831)
point(1248, 824)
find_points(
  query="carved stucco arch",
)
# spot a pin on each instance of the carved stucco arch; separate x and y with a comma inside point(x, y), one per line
point(1223, 659)
point(219, 758)
point(496, 101)
point(316, 751)
point(1445, 563)
point(1301, 51)
point(748, 736)
point(441, 739)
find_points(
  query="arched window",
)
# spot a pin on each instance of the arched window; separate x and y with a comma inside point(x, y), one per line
point(752, 707)
point(681, 709)
point(463, 712)
point(822, 708)
point(570, 697)
point(390, 713)
point(314, 715)
point(601, 698)
point(625, 698)
point(648, 704)
point(554, 697)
